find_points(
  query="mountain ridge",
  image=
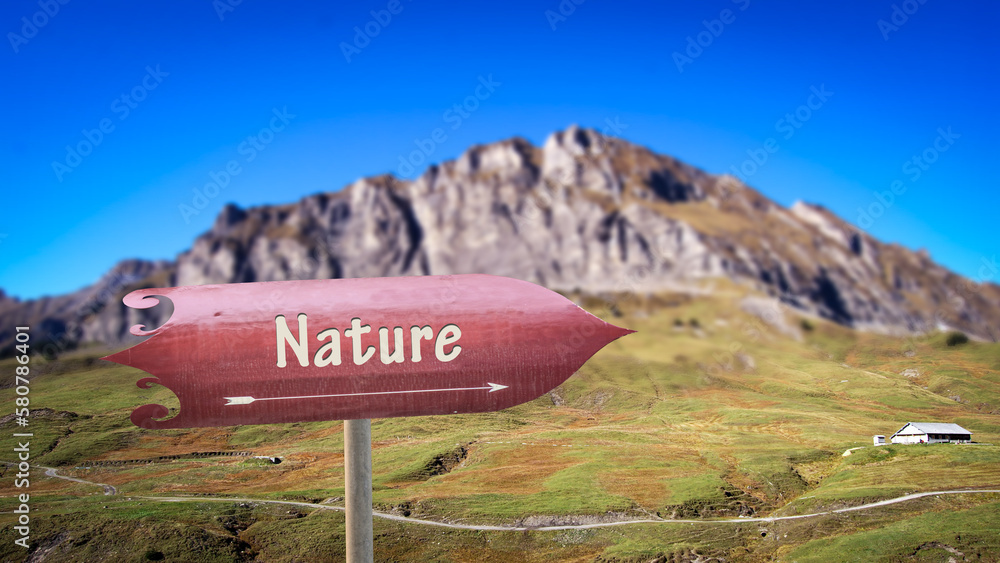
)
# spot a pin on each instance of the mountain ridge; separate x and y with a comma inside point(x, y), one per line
point(583, 212)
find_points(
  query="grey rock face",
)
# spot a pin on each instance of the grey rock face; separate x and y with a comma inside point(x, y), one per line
point(583, 212)
point(92, 314)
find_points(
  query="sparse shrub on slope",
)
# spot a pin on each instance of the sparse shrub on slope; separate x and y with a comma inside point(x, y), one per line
point(956, 338)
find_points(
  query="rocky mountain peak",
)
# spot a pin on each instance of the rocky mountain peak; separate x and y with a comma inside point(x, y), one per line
point(583, 212)
point(230, 215)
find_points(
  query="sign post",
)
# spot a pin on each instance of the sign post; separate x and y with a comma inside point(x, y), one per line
point(358, 490)
point(357, 349)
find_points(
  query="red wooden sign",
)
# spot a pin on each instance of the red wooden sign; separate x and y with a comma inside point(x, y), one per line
point(259, 353)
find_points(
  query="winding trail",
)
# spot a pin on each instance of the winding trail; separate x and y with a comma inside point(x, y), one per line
point(51, 472)
point(110, 490)
point(406, 519)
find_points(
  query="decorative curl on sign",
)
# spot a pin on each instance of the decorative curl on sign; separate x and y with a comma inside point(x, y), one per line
point(151, 415)
point(144, 299)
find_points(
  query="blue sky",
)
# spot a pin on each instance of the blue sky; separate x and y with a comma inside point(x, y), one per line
point(183, 89)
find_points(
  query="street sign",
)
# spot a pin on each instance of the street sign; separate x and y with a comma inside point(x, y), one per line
point(272, 352)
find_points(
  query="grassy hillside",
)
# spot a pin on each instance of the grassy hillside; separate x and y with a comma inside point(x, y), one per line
point(709, 412)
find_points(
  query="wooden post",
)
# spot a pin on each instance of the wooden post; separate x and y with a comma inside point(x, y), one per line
point(358, 490)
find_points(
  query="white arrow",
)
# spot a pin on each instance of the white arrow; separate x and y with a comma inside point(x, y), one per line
point(247, 400)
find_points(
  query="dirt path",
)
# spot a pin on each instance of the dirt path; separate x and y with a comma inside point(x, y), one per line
point(110, 490)
point(51, 472)
point(577, 526)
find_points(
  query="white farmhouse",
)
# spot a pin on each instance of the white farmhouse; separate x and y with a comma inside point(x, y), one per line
point(931, 433)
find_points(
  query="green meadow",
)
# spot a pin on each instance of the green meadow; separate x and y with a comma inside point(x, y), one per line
point(707, 414)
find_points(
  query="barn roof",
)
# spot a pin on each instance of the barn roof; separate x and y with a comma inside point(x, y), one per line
point(933, 428)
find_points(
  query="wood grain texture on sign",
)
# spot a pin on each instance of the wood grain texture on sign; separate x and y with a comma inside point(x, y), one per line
point(272, 352)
